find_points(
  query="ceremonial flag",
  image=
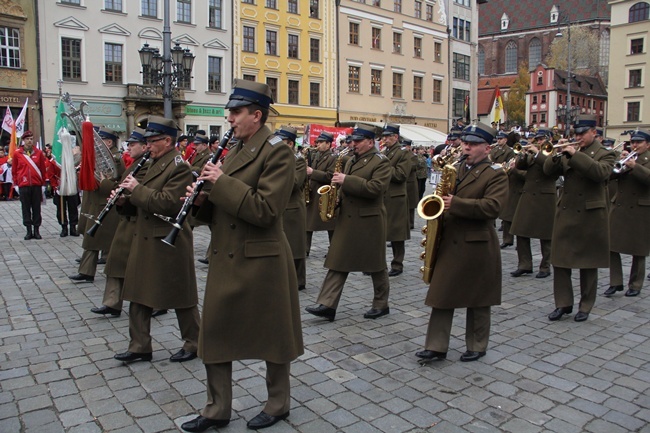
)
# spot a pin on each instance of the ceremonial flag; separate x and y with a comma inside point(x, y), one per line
point(498, 106)
point(20, 120)
point(59, 123)
point(8, 121)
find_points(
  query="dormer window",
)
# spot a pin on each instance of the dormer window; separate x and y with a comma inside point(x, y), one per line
point(505, 21)
point(555, 14)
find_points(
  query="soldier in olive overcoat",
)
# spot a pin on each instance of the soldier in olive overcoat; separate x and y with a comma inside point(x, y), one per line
point(502, 153)
point(320, 167)
point(395, 198)
point(251, 295)
point(535, 212)
point(468, 232)
point(629, 216)
point(159, 276)
point(294, 216)
point(411, 183)
point(359, 239)
point(581, 227)
point(92, 203)
point(118, 255)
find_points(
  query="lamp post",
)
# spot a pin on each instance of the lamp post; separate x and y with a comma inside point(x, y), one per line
point(569, 78)
point(170, 69)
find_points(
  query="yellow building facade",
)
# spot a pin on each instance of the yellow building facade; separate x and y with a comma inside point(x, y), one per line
point(290, 46)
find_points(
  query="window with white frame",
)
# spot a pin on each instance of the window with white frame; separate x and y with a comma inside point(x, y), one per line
point(215, 14)
point(314, 94)
point(184, 11)
point(633, 111)
point(292, 46)
point(353, 79)
point(9, 47)
point(397, 84)
point(113, 63)
point(71, 59)
point(113, 5)
point(294, 89)
point(417, 87)
point(271, 43)
point(214, 73)
point(272, 82)
point(292, 6)
point(375, 81)
point(248, 39)
point(149, 8)
point(437, 90)
point(376, 38)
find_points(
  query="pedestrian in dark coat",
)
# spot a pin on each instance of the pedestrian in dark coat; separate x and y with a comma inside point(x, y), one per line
point(359, 239)
point(629, 216)
point(581, 227)
point(157, 275)
point(467, 273)
point(251, 295)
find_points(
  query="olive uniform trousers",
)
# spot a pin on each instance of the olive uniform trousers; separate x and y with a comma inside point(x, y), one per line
point(477, 329)
point(637, 271)
point(140, 328)
point(330, 292)
point(563, 289)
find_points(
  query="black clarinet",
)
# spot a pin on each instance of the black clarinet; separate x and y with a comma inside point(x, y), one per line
point(177, 223)
point(109, 205)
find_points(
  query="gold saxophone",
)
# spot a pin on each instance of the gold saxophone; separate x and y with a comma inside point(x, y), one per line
point(430, 208)
point(329, 193)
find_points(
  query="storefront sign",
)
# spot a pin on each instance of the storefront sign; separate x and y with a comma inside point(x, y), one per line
point(101, 108)
point(196, 110)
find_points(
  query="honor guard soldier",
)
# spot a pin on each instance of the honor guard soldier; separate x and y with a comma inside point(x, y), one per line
point(395, 198)
point(467, 272)
point(157, 276)
point(320, 168)
point(536, 209)
point(295, 215)
point(359, 241)
point(251, 295)
point(629, 216)
point(581, 227)
point(92, 203)
point(503, 154)
point(118, 254)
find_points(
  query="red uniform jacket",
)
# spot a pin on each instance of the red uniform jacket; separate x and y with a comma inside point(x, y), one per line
point(25, 173)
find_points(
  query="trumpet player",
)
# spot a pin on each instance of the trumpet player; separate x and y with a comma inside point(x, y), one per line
point(501, 153)
point(534, 214)
point(630, 212)
point(359, 239)
point(581, 225)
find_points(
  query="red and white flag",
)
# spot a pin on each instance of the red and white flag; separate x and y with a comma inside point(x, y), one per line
point(8, 121)
point(20, 120)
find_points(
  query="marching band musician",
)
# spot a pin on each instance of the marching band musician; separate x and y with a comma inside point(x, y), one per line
point(629, 216)
point(251, 295)
point(359, 239)
point(92, 202)
point(295, 214)
point(502, 154)
point(200, 156)
point(468, 232)
point(118, 254)
point(411, 182)
point(535, 210)
point(319, 171)
point(581, 225)
point(395, 198)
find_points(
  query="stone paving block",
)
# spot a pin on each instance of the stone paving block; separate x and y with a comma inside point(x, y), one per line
point(155, 423)
point(392, 423)
point(76, 417)
point(341, 418)
point(34, 403)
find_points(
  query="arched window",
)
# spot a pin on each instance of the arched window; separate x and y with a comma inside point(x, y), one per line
point(481, 60)
point(603, 53)
point(639, 12)
point(534, 53)
point(511, 57)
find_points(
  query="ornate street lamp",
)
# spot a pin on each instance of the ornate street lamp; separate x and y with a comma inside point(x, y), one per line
point(171, 69)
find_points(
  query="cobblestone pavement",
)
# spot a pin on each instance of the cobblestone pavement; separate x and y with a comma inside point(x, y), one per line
point(57, 371)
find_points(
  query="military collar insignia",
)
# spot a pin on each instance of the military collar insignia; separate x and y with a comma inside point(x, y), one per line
point(178, 159)
point(253, 148)
point(497, 167)
point(473, 128)
point(274, 140)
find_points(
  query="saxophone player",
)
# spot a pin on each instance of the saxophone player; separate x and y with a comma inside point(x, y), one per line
point(467, 273)
point(359, 238)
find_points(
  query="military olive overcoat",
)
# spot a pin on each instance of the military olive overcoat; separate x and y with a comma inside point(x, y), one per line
point(501, 154)
point(251, 308)
point(630, 210)
point(516, 182)
point(118, 255)
point(536, 209)
point(468, 270)
point(395, 198)
point(323, 166)
point(197, 165)
point(412, 182)
point(581, 228)
point(158, 275)
point(294, 217)
point(359, 242)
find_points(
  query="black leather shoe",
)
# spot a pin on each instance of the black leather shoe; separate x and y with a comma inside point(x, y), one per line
point(322, 311)
point(82, 278)
point(431, 354)
point(37, 234)
point(106, 310)
point(542, 274)
point(612, 290)
point(182, 356)
point(632, 292)
point(201, 423)
point(77, 260)
point(132, 357)
point(101, 261)
point(204, 261)
point(469, 356)
point(73, 231)
point(559, 312)
point(581, 316)
point(64, 232)
point(394, 272)
point(505, 245)
point(520, 272)
point(30, 234)
point(301, 287)
point(263, 420)
point(157, 313)
point(375, 313)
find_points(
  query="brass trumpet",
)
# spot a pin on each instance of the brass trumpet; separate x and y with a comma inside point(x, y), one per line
point(555, 151)
point(620, 167)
